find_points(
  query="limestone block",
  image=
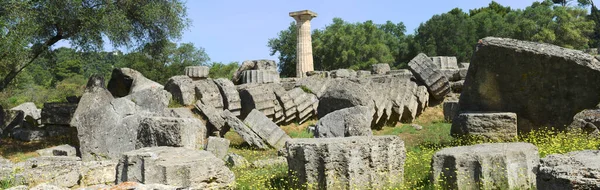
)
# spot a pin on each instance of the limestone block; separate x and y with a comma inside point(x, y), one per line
point(170, 131)
point(491, 125)
point(546, 85)
point(208, 93)
point(428, 73)
point(486, 166)
point(450, 108)
point(231, 97)
point(218, 146)
point(260, 97)
point(266, 129)
point(175, 166)
point(58, 113)
point(365, 162)
point(260, 76)
point(182, 88)
point(243, 130)
point(197, 72)
point(573, 170)
point(216, 124)
point(444, 62)
point(380, 69)
point(353, 121)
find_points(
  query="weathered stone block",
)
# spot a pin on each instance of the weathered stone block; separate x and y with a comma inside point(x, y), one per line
point(32, 115)
point(366, 162)
point(587, 120)
point(573, 170)
point(266, 129)
point(197, 72)
point(260, 76)
point(179, 167)
point(170, 131)
point(262, 64)
point(244, 131)
point(486, 166)
point(428, 73)
point(218, 146)
point(494, 126)
point(380, 69)
point(231, 97)
point(545, 85)
point(344, 94)
point(182, 88)
point(58, 113)
point(450, 108)
point(216, 124)
point(353, 121)
point(444, 62)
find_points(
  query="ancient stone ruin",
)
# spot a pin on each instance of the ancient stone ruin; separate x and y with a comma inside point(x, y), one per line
point(136, 133)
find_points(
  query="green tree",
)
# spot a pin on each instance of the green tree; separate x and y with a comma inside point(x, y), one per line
point(448, 34)
point(595, 35)
point(169, 61)
point(221, 70)
point(29, 28)
point(285, 46)
point(343, 45)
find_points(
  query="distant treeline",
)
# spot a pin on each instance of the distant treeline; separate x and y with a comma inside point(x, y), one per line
point(358, 45)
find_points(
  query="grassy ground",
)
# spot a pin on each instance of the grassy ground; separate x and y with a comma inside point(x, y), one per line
point(420, 146)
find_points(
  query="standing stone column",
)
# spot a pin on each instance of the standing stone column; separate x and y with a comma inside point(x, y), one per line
point(304, 58)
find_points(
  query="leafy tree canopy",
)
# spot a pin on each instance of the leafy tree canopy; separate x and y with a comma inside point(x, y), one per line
point(28, 28)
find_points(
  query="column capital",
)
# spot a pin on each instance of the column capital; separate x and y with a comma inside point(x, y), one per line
point(303, 15)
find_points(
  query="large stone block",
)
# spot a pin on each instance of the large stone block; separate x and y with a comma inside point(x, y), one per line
point(197, 72)
point(208, 93)
point(262, 64)
point(231, 97)
point(574, 170)
point(486, 166)
point(445, 62)
point(218, 146)
point(587, 120)
point(428, 73)
point(366, 162)
point(266, 129)
point(344, 94)
point(216, 124)
point(380, 69)
point(260, 77)
point(182, 88)
point(170, 131)
point(306, 104)
point(125, 81)
point(314, 85)
point(60, 171)
point(58, 113)
point(545, 85)
point(286, 102)
point(32, 115)
point(243, 130)
point(180, 167)
point(260, 97)
point(450, 109)
point(353, 121)
point(106, 127)
point(494, 126)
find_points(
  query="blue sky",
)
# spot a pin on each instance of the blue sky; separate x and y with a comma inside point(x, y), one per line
point(238, 30)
